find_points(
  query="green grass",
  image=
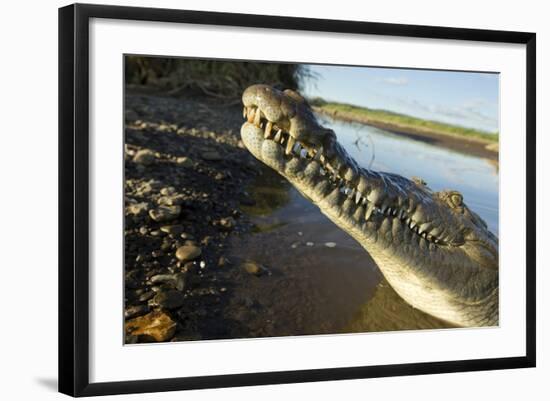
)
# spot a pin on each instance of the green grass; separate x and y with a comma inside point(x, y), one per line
point(216, 78)
point(391, 120)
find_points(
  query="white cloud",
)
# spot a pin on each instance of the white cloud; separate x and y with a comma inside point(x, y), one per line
point(400, 81)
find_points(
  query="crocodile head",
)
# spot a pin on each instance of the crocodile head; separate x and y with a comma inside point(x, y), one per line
point(436, 252)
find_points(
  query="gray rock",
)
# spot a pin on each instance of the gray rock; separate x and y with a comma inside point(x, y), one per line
point(135, 310)
point(168, 191)
point(165, 213)
point(211, 155)
point(175, 229)
point(171, 200)
point(145, 157)
point(188, 252)
point(227, 223)
point(137, 209)
point(254, 268)
point(184, 162)
point(131, 115)
point(170, 299)
point(175, 280)
point(330, 244)
point(146, 296)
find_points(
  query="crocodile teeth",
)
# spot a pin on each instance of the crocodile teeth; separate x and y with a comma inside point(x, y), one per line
point(290, 144)
point(278, 136)
point(358, 196)
point(244, 112)
point(257, 117)
point(369, 211)
point(250, 115)
point(268, 127)
point(318, 156)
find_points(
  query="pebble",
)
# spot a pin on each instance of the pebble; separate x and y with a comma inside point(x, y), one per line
point(211, 155)
point(173, 229)
point(165, 213)
point(176, 280)
point(330, 244)
point(254, 268)
point(167, 191)
point(188, 252)
point(171, 200)
point(170, 299)
point(144, 156)
point(137, 209)
point(146, 296)
point(131, 115)
point(227, 223)
point(135, 310)
point(154, 326)
point(309, 243)
point(184, 162)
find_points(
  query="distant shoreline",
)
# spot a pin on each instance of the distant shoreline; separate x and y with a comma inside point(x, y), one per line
point(466, 144)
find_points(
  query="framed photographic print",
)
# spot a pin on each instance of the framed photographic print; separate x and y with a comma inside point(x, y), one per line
point(249, 199)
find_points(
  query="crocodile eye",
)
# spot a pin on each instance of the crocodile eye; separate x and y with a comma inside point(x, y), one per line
point(456, 199)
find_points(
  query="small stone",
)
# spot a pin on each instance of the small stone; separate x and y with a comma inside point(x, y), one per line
point(165, 213)
point(202, 264)
point(170, 299)
point(184, 162)
point(175, 280)
point(171, 200)
point(156, 233)
point(144, 156)
point(188, 252)
point(227, 223)
point(206, 240)
point(254, 268)
point(135, 310)
point(155, 326)
point(143, 230)
point(175, 229)
point(137, 209)
point(222, 261)
point(167, 191)
point(131, 115)
point(309, 243)
point(146, 296)
point(219, 176)
point(211, 155)
point(330, 244)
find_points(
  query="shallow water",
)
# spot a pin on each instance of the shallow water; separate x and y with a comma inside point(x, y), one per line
point(319, 280)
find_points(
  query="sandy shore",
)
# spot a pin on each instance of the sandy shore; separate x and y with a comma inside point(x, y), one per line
point(471, 146)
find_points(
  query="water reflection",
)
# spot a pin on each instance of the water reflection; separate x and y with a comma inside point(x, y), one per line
point(322, 281)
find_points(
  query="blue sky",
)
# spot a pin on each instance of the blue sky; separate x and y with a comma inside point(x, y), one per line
point(463, 98)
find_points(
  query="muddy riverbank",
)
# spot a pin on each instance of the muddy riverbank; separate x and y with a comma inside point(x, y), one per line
point(468, 145)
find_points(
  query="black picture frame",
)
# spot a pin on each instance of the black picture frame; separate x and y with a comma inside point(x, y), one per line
point(74, 198)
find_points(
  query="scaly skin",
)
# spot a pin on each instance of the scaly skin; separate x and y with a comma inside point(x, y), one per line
point(433, 250)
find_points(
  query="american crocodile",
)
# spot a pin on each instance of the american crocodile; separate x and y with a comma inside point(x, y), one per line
point(436, 253)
